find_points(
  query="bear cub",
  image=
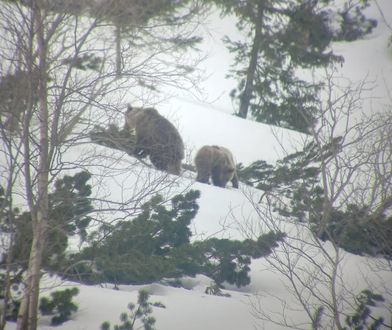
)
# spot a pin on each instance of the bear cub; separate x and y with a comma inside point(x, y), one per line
point(218, 163)
point(155, 137)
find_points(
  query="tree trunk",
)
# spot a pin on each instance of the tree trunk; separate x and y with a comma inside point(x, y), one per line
point(27, 317)
point(118, 50)
point(251, 72)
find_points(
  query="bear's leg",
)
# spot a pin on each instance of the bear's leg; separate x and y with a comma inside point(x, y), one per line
point(203, 178)
point(203, 175)
point(203, 171)
point(217, 177)
point(174, 168)
point(159, 160)
point(234, 180)
point(141, 147)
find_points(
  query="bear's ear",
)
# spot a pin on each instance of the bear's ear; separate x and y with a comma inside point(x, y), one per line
point(129, 109)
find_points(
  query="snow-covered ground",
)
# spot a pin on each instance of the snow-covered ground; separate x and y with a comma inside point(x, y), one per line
point(230, 212)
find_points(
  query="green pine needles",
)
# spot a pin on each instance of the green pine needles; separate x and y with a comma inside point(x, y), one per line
point(156, 245)
point(60, 305)
point(362, 319)
point(140, 312)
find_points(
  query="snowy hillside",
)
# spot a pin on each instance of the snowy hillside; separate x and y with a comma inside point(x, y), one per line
point(232, 213)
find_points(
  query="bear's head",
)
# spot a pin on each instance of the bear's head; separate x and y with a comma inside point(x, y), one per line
point(134, 114)
point(130, 116)
point(222, 176)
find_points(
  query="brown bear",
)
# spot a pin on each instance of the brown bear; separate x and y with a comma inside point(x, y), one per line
point(218, 163)
point(156, 137)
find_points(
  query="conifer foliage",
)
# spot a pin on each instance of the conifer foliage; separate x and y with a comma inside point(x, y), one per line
point(69, 216)
point(69, 205)
point(142, 250)
point(362, 318)
point(60, 305)
point(142, 312)
point(229, 261)
point(283, 37)
point(296, 179)
point(156, 245)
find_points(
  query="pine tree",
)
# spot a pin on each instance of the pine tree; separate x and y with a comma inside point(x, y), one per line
point(363, 318)
point(156, 245)
point(142, 250)
point(283, 37)
point(69, 206)
point(296, 178)
point(229, 261)
point(140, 312)
point(60, 305)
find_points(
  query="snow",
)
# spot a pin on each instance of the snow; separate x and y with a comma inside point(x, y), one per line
point(228, 212)
point(248, 140)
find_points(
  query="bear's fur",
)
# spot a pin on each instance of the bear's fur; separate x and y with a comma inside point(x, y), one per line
point(155, 137)
point(218, 163)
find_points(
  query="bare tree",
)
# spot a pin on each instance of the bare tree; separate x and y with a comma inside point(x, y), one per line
point(63, 72)
point(357, 170)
